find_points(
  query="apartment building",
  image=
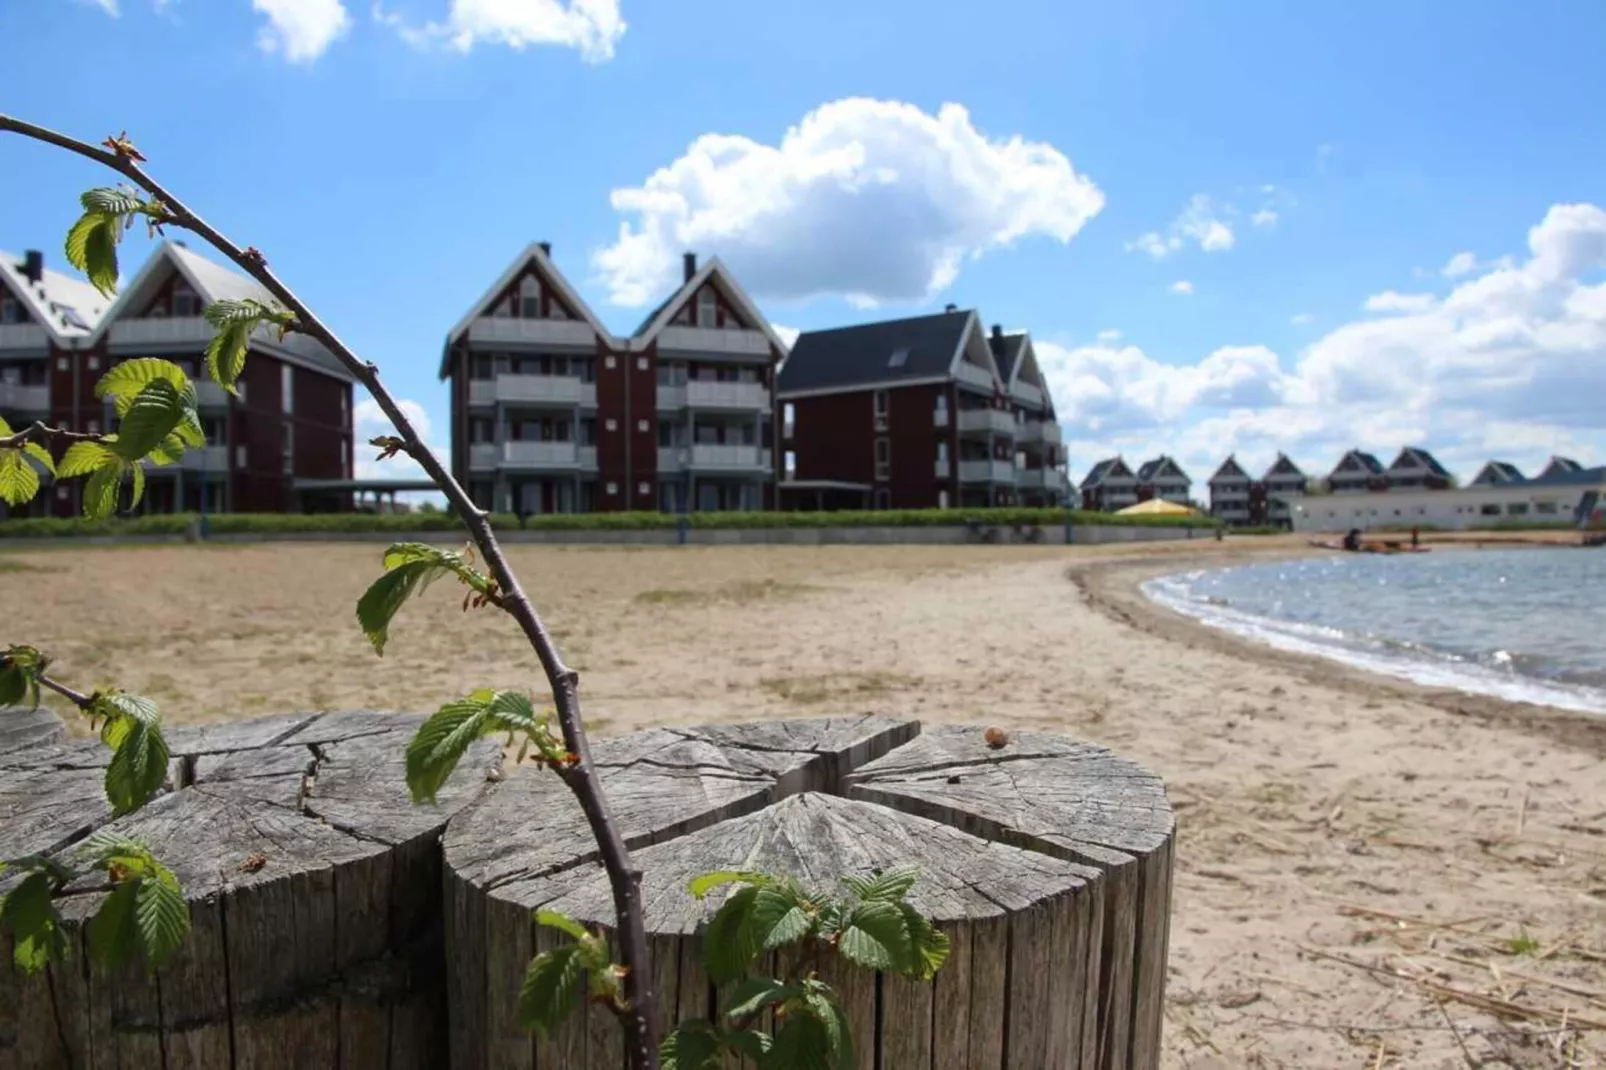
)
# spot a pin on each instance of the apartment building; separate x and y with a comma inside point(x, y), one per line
point(1111, 485)
point(1417, 469)
point(1164, 478)
point(1237, 498)
point(1559, 466)
point(552, 413)
point(1357, 471)
point(1230, 493)
point(919, 413)
point(292, 420)
point(1497, 472)
point(45, 317)
point(1284, 483)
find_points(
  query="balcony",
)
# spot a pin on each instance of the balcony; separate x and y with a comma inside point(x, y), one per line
point(206, 458)
point(975, 376)
point(939, 418)
point(944, 469)
point(1039, 478)
point(713, 341)
point(532, 456)
point(747, 459)
point(568, 334)
point(1039, 432)
point(1026, 393)
point(14, 397)
point(986, 472)
point(565, 390)
point(193, 332)
point(209, 395)
point(986, 422)
point(30, 337)
point(716, 395)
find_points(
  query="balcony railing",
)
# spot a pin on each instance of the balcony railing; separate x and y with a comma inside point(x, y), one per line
point(572, 334)
point(986, 472)
point(986, 421)
point(1046, 478)
point(944, 469)
point(18, 398)
point(195, 332)
point(533, 390)
point(24, 336)
point(532, 455)
point(1039, 432)
point(483, 456)
point(713, 340)
point(716, 395)
point(939, 417)
point(207, 458)
point(976, 376)
point(1026, 392)
point(730, 458)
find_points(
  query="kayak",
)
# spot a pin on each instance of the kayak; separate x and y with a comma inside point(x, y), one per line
point(1372, 547)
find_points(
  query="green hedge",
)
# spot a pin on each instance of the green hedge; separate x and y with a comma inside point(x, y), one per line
point(336, 523)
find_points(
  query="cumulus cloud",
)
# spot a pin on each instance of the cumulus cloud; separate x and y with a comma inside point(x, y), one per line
point(1200, 222)
point(1266, 217)
point(1181, 286)
point(1109, 335)
point(369, 421)
point(1460, 264)
point(873, 200)
point(1511, 363)
point(591, 27)
point(301, 30)
point(787, 334)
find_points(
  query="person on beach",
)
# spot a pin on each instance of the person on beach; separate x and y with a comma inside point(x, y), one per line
point(1415, 536)
point(1352, 540)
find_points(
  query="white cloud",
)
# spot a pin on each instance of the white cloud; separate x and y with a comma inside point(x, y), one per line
point(1200, 222)
point(787, 334)
point(591, 27)
point(370, 420)
point(1460, 264)
point(1181, 286)
point(1266, 217)
point(301, 30)
point(1109, 335)
point(1512, 363)
point(1394, 301)
point(873, 200)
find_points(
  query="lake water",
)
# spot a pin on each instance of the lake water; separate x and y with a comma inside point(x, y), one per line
point(1526, 625)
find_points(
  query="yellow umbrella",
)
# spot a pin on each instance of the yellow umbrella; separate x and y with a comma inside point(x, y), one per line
point(1156, 507)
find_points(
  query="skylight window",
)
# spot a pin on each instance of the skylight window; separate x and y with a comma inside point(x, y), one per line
point(900, 356)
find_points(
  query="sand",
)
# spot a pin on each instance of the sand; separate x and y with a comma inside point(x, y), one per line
point(1318, 805)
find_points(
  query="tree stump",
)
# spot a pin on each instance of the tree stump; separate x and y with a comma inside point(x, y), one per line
point(1046, 861)
point(21, 728)
point(314, 891)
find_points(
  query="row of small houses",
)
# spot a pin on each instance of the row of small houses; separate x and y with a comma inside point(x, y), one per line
point(1239, 498)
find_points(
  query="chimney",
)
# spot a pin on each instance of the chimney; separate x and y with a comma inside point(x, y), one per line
point(690, 260)
point(33, 265)
point(546, 249)
point(951, 308)
point(998, 333)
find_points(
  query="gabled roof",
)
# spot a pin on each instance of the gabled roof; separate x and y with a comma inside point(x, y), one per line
point(1559, 465)
point(918, 349)
point(68, 308)
point(1230, 469)
point(1283, 466)
point(1415, 456)
point(1007, 351)
point(211, 282)
point(1570, 477)
point(1498, 472)
point(1153, 470)
point(1109, 468)
point(712, 271)
point(1370, 464)
point(534, 255)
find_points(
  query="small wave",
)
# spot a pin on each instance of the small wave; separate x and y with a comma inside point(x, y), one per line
point(1499, 674)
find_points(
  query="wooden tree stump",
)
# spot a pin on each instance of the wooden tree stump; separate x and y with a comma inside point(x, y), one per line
point(21, 728)
point(314, 891)
point(1046, 861)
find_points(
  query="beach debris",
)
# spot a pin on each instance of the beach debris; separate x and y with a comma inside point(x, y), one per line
point(996, 737)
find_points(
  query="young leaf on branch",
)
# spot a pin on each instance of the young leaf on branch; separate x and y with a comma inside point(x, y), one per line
point(133, 730)
point(19, 481)
point(553, 983)
point(20, 669)
point(410, 567)
point(29, 913)
point(442, 739)
point(145, 911)
point(236, 321)
point(92, 241)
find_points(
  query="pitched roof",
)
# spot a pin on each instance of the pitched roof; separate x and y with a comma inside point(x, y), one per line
point(212, 282)
point(1572, 477)
point(914, 349)
point(1368, 462)
point(536, 255)
point(1007, 350)
point(68, 307)
point(715, 271)
point(1109, 468)
point(1498, 472)
point(1230, 469)
point(1284, 466)
point(1560, 464)
point(1151, 469)
point(1422, 458)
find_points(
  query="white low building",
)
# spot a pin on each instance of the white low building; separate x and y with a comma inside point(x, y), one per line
point(1531, 500)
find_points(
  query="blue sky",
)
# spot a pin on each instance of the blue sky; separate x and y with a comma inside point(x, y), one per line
point(1290, 163)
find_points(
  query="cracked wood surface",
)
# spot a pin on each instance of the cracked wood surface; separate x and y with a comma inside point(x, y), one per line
point(314, 891)
point(21, 728)
point(1046, 861)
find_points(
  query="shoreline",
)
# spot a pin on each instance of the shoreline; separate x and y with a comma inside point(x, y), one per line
point(1114, 587)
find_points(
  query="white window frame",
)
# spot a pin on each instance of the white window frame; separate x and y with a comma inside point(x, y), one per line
point(883, 410)
point(883, 465)
point(526, 285)
point(287, 388)
point(707, 308)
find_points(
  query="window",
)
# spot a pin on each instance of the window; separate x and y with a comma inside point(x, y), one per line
point(613, 488)
point(61, 364)
point(609, 362)
point(10, 311)
point(790, 464)
point(641, 364)
point(530, 298)
point(788, 420)
point(345, 402)
point(287, 382)
point(1517, 509)
point(613, 425)
point(942, 499)
point(94, 363)
point(186, 305)
point(942, 453)
point(883, 458)
point(1545, 508)
point(643, 489)
point(239, 389)
point(239, 456)
point(707, 308)
point(881, 409)
point(480, 429)
point(92, 426)
point(900, 356)
point(342, 454)
point(288, 450)
point(641, 425)
point(1490, 510)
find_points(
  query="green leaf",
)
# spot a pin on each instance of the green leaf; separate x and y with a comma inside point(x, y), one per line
point(5, 428)
point(113, 933)
point(551, 989)
point(92, 248)
point(225, 353)
point(82, 458)
point(553, 920)
point(732, 942)
point(110, 201)
point(930, 945)
point(230, 313)
point(440, 742)
point(821, 1002)
point(752, 1043)
point(694, 1045)
point(888, 887)
point(162, 915)
point(875, 936)
point(801, 1043)
point(755, 993)
point(13, 685)
point(153, 415)
point(133, 730)
point(124, 382)
point(35, 925)
point(189, 430)
point(136, 486)
point(407, 553)
point(100, 492)
point(701, 886)
point(40, 454)
point(19, 482)
point(779, 917)
point(386, 595)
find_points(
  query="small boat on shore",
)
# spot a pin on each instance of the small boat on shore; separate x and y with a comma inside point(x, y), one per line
point(1373, 547)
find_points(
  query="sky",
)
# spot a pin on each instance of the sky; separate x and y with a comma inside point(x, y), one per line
point(1230, 228)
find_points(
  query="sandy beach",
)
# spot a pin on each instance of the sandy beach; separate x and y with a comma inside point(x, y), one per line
point(1368, 873)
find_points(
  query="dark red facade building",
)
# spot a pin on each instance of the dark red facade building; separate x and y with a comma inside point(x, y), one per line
point(919, 413)
point(290, 428)
point(552, 413)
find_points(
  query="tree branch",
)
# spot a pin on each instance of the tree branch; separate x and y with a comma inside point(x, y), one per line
point(42, 433)
point(77, 698)
point(640, 1026)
